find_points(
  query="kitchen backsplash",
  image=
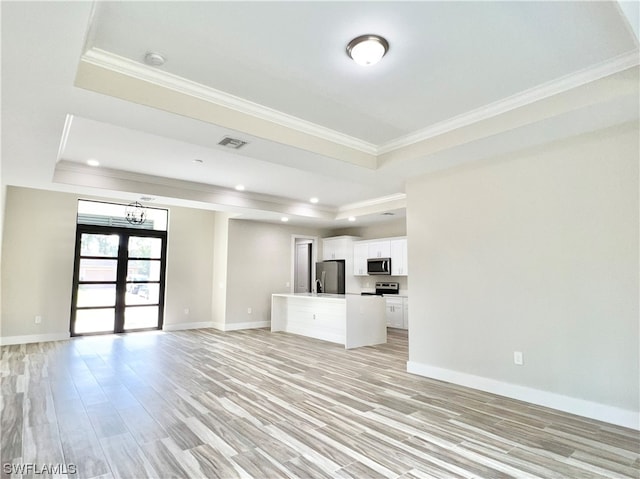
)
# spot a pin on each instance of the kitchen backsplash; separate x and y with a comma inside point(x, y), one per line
point(368, 283)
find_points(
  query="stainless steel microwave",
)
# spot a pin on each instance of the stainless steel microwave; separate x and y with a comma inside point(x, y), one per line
point(379, 266)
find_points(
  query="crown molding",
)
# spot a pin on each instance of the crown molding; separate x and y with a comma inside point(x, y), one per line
point(540, 92)
point(126, 66)
point(66, 129)
point(373, 202)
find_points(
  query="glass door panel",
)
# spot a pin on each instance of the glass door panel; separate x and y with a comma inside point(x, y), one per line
point(98, 269)
point(99, 245)
point(96, 283)
point(144, 247)
point(140, 317)
point(92, 295)
point(95, 320)
point(144, 275)
point(142, 293)
point(143, 270)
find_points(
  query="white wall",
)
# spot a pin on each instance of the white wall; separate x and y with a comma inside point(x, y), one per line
point(3, 195)
point(538, 253)
point(37, 268)
point(190, 268)
point(259, 264)
point(220, 256)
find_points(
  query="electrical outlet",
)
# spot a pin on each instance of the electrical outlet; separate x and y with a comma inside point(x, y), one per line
point(288, 284)
point(249, 311)
point(518, 358)
point(186, 311)
point(38, 319)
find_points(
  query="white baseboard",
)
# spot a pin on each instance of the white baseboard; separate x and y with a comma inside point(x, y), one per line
point(580, 407)
point(41, 338)
point(218, 326)
point(251, 325)
point(181, 326)
point(33, 338)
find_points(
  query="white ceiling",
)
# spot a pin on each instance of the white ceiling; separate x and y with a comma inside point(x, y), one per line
point(462, 81)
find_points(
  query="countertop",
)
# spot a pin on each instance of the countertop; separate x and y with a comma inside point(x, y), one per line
point(312, 295)
point(321, 295)
point(389, 295)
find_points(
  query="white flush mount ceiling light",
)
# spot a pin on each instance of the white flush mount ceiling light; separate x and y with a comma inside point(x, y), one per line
point(313, 200)
point(367, 50)
point(93, 162)
point(284, 219)
point(154, 59)
point(240, 187)
point(352, 218)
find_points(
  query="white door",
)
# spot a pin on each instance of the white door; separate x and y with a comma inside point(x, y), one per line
point(302, 279)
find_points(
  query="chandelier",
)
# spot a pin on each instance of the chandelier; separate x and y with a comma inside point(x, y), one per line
point(135, 213)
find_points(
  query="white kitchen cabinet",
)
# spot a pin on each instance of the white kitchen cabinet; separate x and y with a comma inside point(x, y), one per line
point(341, 247)
point(405, 311)
point(360, 255)
point(379, 249)
point(338, 247)
point(352, 320)
point(399, 265)
point(395, 312)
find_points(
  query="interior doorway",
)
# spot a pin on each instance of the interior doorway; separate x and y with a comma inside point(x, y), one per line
point(304, 260)
point(303, 265)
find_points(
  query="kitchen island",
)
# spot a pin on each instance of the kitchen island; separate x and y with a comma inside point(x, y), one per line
point(349, 319)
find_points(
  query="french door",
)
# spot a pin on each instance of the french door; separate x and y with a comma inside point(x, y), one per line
point(118, 280)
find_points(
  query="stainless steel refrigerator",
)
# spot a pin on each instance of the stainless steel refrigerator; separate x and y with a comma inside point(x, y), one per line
point(330, 277)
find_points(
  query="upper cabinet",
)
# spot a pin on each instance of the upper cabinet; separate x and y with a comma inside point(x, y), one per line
point(379, 249)
point(341, 247)
point(360, 255)
point(399, 266)
point(338, 247)
point(394, 248)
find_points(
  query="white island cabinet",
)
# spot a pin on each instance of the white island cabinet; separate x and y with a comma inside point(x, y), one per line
point(351, 319)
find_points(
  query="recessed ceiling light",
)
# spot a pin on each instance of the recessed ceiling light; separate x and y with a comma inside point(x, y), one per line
point(93, 162)
point(313, 200)
point(284, 219)
point(154, 59)
point(198, 160)
point(352, 218)
point(240, 187)
point(367, 50)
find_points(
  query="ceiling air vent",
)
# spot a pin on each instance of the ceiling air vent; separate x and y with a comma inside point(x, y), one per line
point(388, 213)
point(234, 143)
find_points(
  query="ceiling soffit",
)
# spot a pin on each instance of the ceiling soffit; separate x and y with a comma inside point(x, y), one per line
point(123, 78)
point(73, 173)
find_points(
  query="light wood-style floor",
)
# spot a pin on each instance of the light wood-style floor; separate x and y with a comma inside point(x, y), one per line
point(268, 405)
